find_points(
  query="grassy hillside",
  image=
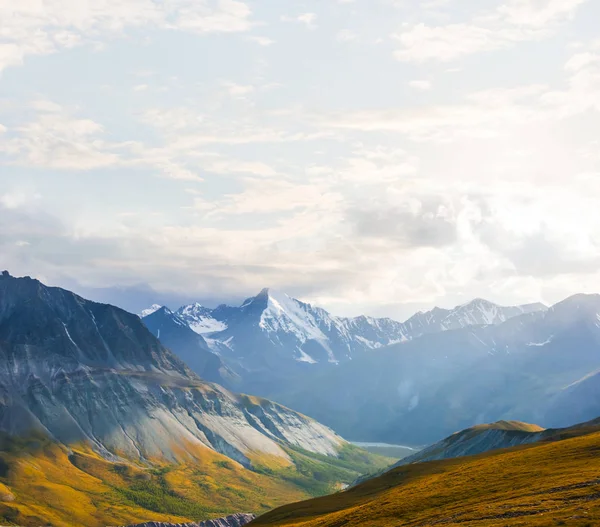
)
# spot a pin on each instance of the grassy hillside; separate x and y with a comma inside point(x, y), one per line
point(545, 484)
point(516, 426)
point(42, 483)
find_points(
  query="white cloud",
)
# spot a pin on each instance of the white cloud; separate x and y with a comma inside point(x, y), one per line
point(174, 171)
point(308, 19)
point(55, 140)
point(512, 22)
point(232, 166)
point(239, 91)
point(271, 196)
point(538, 13)
point(40, 28)
point(261, 41)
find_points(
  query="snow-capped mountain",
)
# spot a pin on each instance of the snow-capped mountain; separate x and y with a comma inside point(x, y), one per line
point(152, 309)
point(540, 367)
point(478, 312)
point(274, 323)
point(279, 325)
point(273, 339)
point(200, 319)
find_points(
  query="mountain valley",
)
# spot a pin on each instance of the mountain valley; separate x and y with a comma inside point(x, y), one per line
point(102, 425)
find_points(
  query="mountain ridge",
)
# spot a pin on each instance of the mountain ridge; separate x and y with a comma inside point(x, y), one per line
point(273, 337)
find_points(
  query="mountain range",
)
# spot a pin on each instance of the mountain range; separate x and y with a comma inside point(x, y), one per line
point(412, 382)
point(272, 338)
point(90, 397)
point(539, 367)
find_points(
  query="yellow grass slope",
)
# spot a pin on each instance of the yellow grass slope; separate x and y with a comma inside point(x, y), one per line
point(52, 486)
point(545, 484)
point(43, 483)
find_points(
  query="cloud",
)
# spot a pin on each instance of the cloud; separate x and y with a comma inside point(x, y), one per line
point(30, 28)
point(485, 113)
point(482, 114)
point(415, 223)
point(232, 166)
point(238, 91)
point(308, 19)
point(55, 140)
point(512, 22)
point(538, 13)
point(261, 41)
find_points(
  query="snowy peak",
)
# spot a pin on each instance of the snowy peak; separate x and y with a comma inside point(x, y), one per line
point(152, 309)
point(288, 315)
point(477, 312)
point(201, 319)
point(275, 331)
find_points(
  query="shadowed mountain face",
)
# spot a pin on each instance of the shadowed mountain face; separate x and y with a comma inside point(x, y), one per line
point(189, 346)
point(78, 371)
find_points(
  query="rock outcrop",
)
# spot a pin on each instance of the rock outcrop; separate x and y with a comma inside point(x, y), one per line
point(235, 520)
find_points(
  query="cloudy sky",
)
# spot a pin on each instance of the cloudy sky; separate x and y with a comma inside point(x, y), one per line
point(371, 156)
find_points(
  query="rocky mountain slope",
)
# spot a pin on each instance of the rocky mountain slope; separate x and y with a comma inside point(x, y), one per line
point(554, 482)
point(80, 371)
point(91, 378)
point(479, 439)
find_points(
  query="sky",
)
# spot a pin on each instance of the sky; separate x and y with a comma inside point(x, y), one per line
point(368, 156)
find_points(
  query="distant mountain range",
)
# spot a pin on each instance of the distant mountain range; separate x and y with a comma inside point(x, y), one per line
point(539, 367)
point(272, 337)
point(414, 381)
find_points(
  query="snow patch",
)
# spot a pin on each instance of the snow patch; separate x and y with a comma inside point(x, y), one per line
point(540, 344)
point(206, 325)
point(153, 309)
point(305, 357)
